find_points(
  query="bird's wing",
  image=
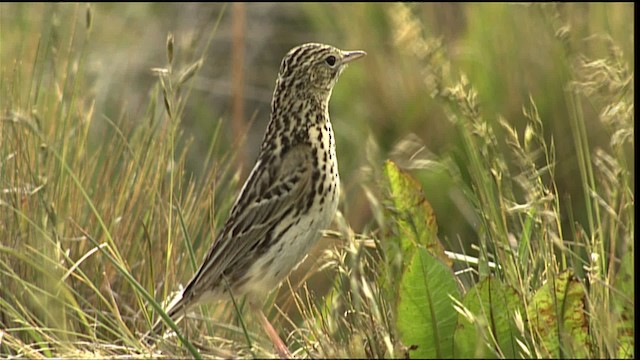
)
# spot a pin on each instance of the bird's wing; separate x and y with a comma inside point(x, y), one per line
point(270, 192)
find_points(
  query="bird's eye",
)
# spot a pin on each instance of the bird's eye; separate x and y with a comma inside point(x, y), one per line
point(331, 60)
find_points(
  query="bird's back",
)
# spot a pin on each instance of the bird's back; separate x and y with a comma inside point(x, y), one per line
point(290, 195)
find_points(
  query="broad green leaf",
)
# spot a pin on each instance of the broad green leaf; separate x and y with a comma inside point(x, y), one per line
point(426, 317)
point(557, 313)
point(412, 212)
point(624, 302)
point(491, 331)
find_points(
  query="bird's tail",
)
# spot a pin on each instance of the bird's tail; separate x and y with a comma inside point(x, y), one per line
point(176, 311)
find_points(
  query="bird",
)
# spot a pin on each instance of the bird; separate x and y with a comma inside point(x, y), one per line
point(290, 195)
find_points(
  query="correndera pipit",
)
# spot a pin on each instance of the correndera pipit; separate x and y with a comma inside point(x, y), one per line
point(290, 195)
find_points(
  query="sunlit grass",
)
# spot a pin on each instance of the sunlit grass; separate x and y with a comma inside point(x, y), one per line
point(519, 126)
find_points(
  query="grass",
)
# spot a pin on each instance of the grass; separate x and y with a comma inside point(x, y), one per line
point(503, 227)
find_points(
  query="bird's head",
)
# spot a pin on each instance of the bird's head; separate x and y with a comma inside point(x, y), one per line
point(314, 68)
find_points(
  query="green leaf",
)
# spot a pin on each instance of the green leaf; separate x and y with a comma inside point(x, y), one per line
point(416, 222)
point(623, 300)
point(490, 332)
point(426, 317)
point(558, 317)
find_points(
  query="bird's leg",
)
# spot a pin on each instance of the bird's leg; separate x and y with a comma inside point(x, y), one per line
point(281, 348)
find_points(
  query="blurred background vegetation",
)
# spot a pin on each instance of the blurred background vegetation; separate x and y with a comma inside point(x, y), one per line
point(508, 51)
point(383, 107)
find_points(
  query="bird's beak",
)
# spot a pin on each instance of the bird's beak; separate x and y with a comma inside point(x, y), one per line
point(349, 56)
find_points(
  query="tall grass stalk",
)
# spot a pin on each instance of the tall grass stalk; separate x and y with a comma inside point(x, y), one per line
point(101, 217)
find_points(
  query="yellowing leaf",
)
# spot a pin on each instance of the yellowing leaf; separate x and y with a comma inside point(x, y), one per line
point(558, 317)
point(412, 212)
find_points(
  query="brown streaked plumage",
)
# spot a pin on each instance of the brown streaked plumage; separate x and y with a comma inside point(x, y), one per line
point(290, 195)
